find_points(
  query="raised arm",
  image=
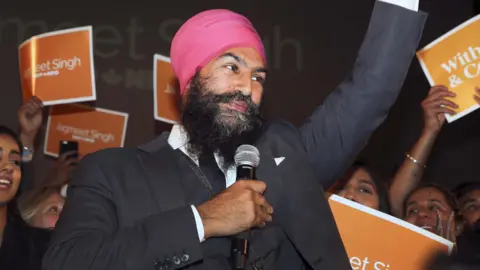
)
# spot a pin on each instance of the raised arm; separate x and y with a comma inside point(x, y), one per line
point(30, 119)
point(88, 237)
point(339, 128)
point(410, 172)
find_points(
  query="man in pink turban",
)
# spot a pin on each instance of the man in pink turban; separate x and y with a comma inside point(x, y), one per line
point(177, 203)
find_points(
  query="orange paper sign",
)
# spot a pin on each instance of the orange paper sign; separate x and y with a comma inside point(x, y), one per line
point(166, 95)
point(93, 128)
point(453, 60)
point(377, 241)
point(57, 67)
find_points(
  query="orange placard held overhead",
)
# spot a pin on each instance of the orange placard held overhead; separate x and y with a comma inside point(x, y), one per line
point(93, 128)
point(453, 60)
point(166, 97)
point(377, 241)
point(58, 66)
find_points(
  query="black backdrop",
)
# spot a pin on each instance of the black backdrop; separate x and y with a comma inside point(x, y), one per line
point(310, 50)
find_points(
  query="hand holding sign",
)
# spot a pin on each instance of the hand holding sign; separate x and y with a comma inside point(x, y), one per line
point(435, 106)
point(379, 241)
point(453, 60)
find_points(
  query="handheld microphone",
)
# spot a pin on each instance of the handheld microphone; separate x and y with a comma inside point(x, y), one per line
point(247, 159)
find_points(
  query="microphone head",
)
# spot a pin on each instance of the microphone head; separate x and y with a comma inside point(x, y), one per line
point(247, 155)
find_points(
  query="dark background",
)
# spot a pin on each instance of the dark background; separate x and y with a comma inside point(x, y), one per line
point(310, 50)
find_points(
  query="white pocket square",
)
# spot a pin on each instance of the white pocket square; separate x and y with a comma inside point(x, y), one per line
point(279, 160)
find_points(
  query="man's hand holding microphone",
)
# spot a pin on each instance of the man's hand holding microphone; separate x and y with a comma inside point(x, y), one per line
point(236, 209)
point(239, 208)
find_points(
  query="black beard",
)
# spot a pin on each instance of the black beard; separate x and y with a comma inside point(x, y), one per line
point(211, 128)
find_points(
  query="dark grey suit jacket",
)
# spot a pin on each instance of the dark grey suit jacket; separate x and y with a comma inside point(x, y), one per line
point(126, 209)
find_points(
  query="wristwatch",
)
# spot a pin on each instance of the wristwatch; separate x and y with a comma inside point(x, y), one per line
point(27, 154)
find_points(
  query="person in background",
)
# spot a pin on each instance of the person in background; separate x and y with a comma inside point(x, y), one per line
point(435, 106)
point(408, 176)
point(40, 208)
point(362, 184)
point(62, 170)
point(467, 256)
point(21, 247)
point(468, 195)
point(435, 209)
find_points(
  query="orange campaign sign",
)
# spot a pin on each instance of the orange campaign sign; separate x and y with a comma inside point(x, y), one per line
point(93, 128)
point(377, 241)
point(58, 66)
point(453, 60)
point(166, 96)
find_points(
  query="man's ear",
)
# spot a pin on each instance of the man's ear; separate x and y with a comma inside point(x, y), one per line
point(184, 95)
point(187, 87)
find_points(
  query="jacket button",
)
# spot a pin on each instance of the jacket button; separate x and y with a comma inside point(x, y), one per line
point(158, 265)
point(167, 264)
point(176, 260)
point(185, 258)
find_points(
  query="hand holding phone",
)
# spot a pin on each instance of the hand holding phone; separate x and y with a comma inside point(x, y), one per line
point(69, 146)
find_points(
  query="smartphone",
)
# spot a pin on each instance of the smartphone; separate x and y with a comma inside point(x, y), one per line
point(68, 146)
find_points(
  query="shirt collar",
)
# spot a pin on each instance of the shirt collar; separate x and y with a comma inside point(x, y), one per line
point(178, 137)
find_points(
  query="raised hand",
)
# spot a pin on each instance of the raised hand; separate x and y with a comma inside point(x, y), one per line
point(435, 105)
point(30, 118)
point(61, 170)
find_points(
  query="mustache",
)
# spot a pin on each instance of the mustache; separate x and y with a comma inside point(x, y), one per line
point(236, 96)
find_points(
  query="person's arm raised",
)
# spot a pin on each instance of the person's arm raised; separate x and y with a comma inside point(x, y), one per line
point(340, 127)
point(88, 236)
point(410, 173)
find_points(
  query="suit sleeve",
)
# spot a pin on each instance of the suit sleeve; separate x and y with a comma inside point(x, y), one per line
point(339, 128)
point(88, 234)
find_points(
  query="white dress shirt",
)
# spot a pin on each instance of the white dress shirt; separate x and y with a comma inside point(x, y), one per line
point(178, 138)
point(408, 4)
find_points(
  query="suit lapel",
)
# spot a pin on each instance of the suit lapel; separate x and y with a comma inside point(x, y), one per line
point(160, 164)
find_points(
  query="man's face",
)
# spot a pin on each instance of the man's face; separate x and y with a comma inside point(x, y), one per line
point(238, 69)
point(239, 72)
point(221, 103)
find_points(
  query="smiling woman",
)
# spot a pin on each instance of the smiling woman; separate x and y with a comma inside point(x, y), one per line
point(21, 247)
point(434, 209)
point(10, 158)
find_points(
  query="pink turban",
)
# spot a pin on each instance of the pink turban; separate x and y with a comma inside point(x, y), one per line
point(205, 36)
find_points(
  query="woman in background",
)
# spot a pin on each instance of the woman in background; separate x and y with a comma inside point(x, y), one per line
point(364, 185)
point(408, 176)
point(41, 208)
point(21, 247)
point(435, 209)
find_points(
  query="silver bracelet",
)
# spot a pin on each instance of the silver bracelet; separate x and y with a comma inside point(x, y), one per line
point(27, 154)
point(415, 161)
